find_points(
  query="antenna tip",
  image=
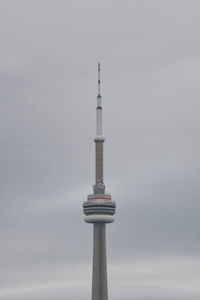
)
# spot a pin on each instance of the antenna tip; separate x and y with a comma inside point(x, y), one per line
point(99, 66)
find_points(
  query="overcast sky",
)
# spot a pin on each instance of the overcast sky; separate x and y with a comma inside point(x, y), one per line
point(150, 57)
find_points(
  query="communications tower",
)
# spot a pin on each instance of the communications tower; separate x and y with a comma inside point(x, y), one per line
point(99, 210)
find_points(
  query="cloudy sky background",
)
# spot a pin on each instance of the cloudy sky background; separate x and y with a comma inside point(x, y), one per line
point(150, 56)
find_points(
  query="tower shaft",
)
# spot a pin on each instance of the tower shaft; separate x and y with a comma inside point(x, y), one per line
point(99, 274)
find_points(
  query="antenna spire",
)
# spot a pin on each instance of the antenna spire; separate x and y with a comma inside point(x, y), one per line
point(99, 108)
point(99, 81)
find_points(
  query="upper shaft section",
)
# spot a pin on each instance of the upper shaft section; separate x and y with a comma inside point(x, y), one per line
point(99, 187)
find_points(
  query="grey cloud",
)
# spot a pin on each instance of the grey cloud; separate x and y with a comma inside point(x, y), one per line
point(150, 69)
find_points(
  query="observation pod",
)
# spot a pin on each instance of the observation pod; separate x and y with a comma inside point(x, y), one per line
point(99, 209)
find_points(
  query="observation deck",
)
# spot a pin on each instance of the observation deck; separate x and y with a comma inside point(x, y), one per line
point(99, 208)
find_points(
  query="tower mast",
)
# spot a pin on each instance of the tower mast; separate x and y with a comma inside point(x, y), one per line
point(99, 210)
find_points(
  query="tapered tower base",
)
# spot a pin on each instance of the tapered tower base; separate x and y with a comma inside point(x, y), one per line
point(99, 274)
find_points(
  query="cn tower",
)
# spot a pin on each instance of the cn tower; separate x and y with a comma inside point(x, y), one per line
point(99, 210)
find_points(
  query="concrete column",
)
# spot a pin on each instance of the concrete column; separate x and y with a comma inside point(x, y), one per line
point(99, 161)
point(99, 121)
point(99, 274)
